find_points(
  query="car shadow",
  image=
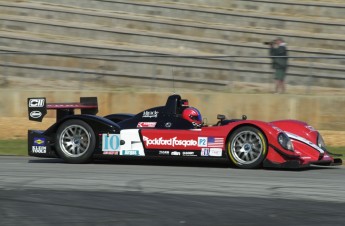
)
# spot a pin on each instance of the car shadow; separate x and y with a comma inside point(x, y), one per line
point(46, 160)
point(175, 162)
point(178, 162)
point(154, 161)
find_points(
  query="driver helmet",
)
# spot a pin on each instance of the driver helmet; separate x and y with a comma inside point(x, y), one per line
point(192, 115)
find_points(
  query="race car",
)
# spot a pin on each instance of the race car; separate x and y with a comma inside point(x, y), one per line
point(173, 130)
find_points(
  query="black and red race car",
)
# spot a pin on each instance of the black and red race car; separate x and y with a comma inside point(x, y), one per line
point(165, 131)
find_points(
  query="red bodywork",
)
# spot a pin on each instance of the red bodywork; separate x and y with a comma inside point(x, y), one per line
point(305, 152)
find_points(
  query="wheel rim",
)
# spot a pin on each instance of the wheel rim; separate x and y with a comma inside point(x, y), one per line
point(74, 140)
point(246, 147)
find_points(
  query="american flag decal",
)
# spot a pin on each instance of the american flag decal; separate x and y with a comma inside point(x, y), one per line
point(215, 142)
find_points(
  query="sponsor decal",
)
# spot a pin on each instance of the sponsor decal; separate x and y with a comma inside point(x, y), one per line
point(216, 152)
point(39, 149)
point(36, 103)
point(188, 153)
point(175, 153)
point(65, 105)
point(130, 152)
point(111, 153)
point(147, 124)
point(202, 141)
point(169, 142)
point(310, 128)
point(39, 141)
point(205, 152)
point(168, 125)
point(306, 157)
point(150, 114)
point(110, 142)
point(35, 114)
point(215, 142)
point(184, 103)
point(164, 152)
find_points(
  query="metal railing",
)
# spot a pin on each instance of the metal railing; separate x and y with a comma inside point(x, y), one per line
point(215, 72)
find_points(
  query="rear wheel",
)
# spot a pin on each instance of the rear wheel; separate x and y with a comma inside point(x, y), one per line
point(75, 141)
point(247, 147)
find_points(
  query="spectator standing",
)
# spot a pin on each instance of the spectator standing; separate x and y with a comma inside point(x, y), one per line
point(279, 63)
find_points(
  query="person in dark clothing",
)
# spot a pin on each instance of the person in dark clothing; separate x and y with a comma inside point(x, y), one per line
point(279, 63)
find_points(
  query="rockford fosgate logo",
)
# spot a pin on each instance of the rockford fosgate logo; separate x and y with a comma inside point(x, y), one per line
point(170, 142)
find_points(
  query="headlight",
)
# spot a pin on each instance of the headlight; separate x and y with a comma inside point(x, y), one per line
point(321, 142)
point(285, 141)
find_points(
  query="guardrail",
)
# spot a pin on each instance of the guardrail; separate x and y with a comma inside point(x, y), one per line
point(217, 72)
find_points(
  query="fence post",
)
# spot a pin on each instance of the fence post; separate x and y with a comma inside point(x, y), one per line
point(271, 77)
point(230, 80)
point(5, 71)
point(173, 77)
point(81, 71)
point(154, 71)
point(311, 76)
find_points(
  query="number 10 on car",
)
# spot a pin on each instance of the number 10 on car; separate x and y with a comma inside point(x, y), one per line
point(110, 142)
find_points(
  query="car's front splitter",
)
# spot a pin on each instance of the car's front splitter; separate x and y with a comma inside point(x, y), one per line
point(298, 164)
point(292, 164)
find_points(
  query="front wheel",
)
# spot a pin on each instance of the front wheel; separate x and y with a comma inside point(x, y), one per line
point(75, 141)
point(247, 147)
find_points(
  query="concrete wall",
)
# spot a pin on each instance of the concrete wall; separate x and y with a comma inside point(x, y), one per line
point(322, 112)
point(134, 27)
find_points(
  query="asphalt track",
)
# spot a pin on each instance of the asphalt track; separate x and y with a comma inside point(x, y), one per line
point(37, 191)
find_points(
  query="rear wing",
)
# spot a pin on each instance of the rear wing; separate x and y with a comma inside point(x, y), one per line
point(37, 108)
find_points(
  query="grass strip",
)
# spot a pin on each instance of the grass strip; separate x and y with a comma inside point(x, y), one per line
point(13, 147)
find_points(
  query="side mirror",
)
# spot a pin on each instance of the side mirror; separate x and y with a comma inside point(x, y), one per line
point(220, 117)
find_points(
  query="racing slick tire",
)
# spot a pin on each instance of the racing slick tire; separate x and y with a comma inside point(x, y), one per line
point(75, 141)
point(247, 147)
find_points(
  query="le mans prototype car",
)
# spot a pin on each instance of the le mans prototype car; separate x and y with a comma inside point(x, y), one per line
point(173, 130)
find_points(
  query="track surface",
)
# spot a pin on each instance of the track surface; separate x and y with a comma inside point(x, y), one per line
point(135, 192)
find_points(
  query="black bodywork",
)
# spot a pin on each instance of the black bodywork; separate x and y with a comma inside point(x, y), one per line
point(168, 117)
